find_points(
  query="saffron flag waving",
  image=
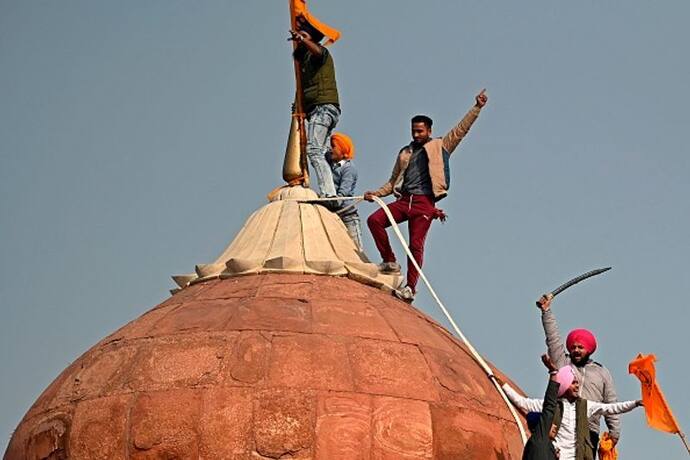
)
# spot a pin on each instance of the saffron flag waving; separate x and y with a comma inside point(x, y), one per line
point(299, 8)
point(656, 408)
point(607, 450)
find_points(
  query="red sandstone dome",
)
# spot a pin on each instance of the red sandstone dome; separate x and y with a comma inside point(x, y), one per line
point(287, 346)
point(272, 366)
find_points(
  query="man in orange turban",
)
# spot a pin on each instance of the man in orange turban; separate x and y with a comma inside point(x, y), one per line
point(345, 180)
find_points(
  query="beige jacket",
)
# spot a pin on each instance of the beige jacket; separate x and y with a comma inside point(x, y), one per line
point(438, 151)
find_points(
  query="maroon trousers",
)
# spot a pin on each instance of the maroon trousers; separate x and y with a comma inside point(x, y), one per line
point(419, 211)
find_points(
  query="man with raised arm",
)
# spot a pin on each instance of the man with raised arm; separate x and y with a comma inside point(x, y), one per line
point(421, 176)
point(540, 446)
point(596, 383)
point(570, 421)
point(320, 100)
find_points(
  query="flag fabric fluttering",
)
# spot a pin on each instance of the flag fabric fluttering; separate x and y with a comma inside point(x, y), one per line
point(607, 451)
point(656, 408)
point(299, 8)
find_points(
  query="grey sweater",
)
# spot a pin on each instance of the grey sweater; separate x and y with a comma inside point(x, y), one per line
point(596, 383)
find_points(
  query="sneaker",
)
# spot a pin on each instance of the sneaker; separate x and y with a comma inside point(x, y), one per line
point(390, 268)
point(404, 294)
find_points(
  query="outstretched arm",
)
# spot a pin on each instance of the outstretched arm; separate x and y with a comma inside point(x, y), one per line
point(457, 133)
point(522, 403)
point(554, 343)
point(595, 408)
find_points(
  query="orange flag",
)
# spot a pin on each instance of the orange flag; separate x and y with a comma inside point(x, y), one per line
point(299, 8)
point(607, 451)
point(656, 408)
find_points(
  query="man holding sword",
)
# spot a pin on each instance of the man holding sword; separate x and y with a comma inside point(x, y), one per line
point(596, 383)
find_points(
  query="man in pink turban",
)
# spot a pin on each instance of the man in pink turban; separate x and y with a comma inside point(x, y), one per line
point(561, 422)
point(595, 381)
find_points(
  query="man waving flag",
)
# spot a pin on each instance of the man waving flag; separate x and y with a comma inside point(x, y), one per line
point(317, 106)
point(299, 8)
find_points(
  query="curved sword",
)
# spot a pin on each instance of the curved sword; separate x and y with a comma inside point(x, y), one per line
point(576, 280)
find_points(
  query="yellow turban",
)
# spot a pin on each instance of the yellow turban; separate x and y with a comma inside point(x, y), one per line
point(345, 144)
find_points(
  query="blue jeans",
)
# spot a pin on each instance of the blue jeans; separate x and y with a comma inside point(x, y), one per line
point(320, 123)
point(354, 228)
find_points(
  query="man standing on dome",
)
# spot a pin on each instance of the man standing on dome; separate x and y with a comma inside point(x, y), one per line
point(319, 98)
point(596, 383)
point(421, 176)
point(345, 180)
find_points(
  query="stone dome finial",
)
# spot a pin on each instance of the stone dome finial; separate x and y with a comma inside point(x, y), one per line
point(291, 235)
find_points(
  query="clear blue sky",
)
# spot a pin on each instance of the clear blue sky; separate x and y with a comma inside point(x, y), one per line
point(137, 136)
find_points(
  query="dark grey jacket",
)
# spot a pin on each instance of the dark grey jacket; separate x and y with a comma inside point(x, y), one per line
point(539, 445)
point(596, 383)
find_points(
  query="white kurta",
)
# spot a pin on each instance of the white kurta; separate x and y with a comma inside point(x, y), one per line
point(565, 439)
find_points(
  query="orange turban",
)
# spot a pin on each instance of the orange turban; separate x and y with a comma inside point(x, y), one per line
point(345, 144)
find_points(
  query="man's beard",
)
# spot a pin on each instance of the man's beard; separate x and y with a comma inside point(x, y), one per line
point(583, 360)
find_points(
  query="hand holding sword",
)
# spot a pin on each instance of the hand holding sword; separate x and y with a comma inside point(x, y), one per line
point(544, 302)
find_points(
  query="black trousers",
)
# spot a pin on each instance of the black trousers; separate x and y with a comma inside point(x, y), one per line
point(594, 437)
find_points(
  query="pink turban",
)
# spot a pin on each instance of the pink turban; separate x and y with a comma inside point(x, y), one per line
point(582, 336)
point(565, 378)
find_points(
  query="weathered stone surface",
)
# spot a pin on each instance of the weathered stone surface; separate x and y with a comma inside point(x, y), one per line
point(270, 314)
point(102, 374)
point(393, 369)
point(270, 367)
point(225, 427)
point(164, 425)
point(200, 316)
point(50, 439)
point(183, 363)
point(310, 361)
point(99, 427)
point(470, 435)
point(331, 288)
point(401, 429)
point(141, 326)
point(240, 287)
point(342, 317)
point(412, 327)
point(466, 386)
point(287, 289)
point(186, 295)
point(249, 364)
point(284, 424)
point(343, 426)
point(57, 394)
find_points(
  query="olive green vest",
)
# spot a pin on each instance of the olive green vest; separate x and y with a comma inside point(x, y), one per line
point(318, 81)
point(584, 450)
